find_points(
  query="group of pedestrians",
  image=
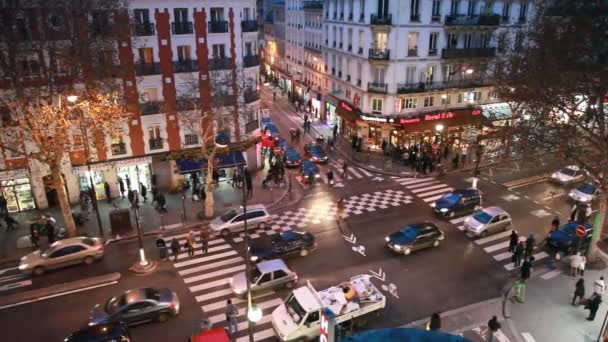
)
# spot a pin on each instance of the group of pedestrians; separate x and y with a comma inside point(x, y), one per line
point(204, 236)
point(593, 302)
point(434, 324)
point(522, 251)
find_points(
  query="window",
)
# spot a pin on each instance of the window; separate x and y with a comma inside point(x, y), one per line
point(415, 10)
point(378, 74)
point(474, 96)
point(377, 105)
point(350, 37)
point(452, 40)
point(218, 51)
point(141, 15)
point(183, 53)
point(410, 103)
point(67, 251)
point(471, 9)
point(312, 317)
point(412, 44)
point(454, 7)
point(191, 139)
point(446, 99)
point(265, 278)
point(380, 41)
point(154, 135)
point(430, 74)
point(433, 43)
point(428, 101)
point(519, 40)
point(146, 55)
point(506, 10)
point(460, 98)
point(492, 95)
point(138, 306)
point(502, 42)
point(410, 74)
point(181, 15)
point(279, 274)
point(361, 39)
point(29, 64)
point(436, 12)
point(76, 141)
point(523, 9)
point(247, 13)
point(468, 40)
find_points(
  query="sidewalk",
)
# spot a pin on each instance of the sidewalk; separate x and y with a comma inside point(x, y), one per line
point(14, 244)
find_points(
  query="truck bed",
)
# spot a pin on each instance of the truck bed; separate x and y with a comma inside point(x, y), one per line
point(367, 298)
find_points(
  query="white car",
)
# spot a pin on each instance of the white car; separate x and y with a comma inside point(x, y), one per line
point(234, 220)
point(488, 221)
point(584, 193)
point(568, 174)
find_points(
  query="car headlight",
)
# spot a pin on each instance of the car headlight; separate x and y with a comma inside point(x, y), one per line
point(397, 246)
point(444, 210)
point(555, 175)
point(433, 205)
point(254, 258)
point(23, 267)
point(317, 176)
point(387, 239)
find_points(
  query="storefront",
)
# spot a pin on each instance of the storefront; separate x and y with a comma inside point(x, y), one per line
point(15, 187)
point(346, 117)
point(84, 181)
point(315, 104)
point(330, 111)
point(497, 119)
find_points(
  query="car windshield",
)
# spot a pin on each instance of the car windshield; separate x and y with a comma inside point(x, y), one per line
point(228, 215)
point(114, 304)
point(152, 294)
point(451, 198)
point(482, 217)
point(410, 232)
point(568, 171)
point(88, 241)
point(255, 274)
point(587, 188)
point(294, 309)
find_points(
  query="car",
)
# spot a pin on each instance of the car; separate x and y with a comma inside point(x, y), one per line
point(487, 221)
point(137, 306)
point(414, 237)
point(115, 331)
point(63, 253)
point(268, 274)
point(458, 202)
point(287, 243)
point(271, 129)
point(292, 157)
point(567, 175)
point(234, 219)
point(307, 167)
point(584, 193)
point(213, 335)
point(316, 153)
point(564, 238)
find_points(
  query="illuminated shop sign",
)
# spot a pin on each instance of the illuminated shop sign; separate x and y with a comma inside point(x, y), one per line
point(373, 118)
point(345, 106)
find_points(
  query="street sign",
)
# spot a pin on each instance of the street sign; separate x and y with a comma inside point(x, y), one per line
point(580, 230)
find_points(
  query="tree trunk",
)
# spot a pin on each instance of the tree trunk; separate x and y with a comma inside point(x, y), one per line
point(64, 202)
point(208, 205)
point(592, 251)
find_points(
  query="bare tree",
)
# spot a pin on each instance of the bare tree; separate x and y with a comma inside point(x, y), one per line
point(556, 73)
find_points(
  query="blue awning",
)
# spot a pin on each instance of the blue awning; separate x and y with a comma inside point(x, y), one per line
point(222, 161)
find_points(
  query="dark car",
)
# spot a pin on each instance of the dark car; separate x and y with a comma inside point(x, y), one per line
point(106, 332)
point(564, 238)
point(316, 153)
point(137, 306)
point(271, 129)
point(307, 167)
point(285, 244)
point(292, 157)
point(414, 237)
point(458, 202)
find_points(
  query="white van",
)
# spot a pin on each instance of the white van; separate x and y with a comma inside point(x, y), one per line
point(234, 219)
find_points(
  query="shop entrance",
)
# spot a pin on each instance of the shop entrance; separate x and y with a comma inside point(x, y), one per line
point(18, 194)
point(51, 193)
point(137, 174)
point(85, 183)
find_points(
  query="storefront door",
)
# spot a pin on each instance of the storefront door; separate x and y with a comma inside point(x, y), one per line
point(18, 194)
point(138, 174)
point(98, 183)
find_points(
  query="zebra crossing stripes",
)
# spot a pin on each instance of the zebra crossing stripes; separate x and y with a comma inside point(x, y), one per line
point(428, 189)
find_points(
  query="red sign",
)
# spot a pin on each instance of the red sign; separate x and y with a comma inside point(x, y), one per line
point(580, 230)
point(370, 141)
point(346, 106)
point(432, 117)
point(476, 112)
point(409, 121)
point(327, 328)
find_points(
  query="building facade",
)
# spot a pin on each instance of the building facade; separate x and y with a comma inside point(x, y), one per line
point(177, 57)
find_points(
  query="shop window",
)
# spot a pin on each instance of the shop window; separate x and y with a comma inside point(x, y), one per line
point(377, 105)
point(429, 101)
point(492, 95)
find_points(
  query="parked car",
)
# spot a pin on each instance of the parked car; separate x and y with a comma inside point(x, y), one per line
point(316, 153)
point(414, 237)
point(137, 306)
point(268, 274)
point(285, 244)
point(115, 331)
point(292, 157)
point(564, 238)
point(487, 221)
point(233, 220)
point(458, 202)
point(568, 174)
point(584, 193)
point(62, 253)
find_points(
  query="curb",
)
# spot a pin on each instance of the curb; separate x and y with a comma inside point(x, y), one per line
point(56, 290)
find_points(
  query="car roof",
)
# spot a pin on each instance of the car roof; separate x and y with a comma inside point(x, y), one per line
point(250, 207)
point(290, 235)
point(494, 210)
point(99, 332)
point(68, 242)
point(467, 192)
point(271, 265)
point(573, 167)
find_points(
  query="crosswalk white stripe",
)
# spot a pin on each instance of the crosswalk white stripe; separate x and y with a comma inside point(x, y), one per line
point(501, 245)
point(461, 227)
point(225, 271)
point(414, 180)
point(459, 219)
point(433, 199)
point(213, 295)
point(528, 337)
point(537, 256)
point(428, 188)
point(263, 305)
point(236, 300)
point(434, 192)
point(551, 274)
point(209, 285)
point(494, 237)
point(203, 259)
point(365, 172)
point(502, 256)
point(198, 251)
point(420, 185)
point(209, 266)
point(258, 336)
point(245, 324)
point(355, 173)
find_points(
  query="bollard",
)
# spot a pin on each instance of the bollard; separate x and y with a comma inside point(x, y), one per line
point(519, 291)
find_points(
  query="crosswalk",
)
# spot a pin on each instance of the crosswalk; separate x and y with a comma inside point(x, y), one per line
point(207, 276)
point(427, 189)
point(11, 279)
point(352, 173)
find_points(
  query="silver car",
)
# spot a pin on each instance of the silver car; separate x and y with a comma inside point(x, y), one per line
point(265, 275)
point(234, 219)
point(585, 193)
point(568, 174)
point(63, 253)
point(488, 221)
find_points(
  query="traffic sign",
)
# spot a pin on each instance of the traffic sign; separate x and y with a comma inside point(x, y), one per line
point(580, 230)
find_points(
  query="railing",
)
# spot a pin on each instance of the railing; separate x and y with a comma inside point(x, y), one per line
point(220, 63)
point(182, 27)
point(386, 19)
point(381, 54)
point(185, 66)
point(151, 107)
point(374, 87)
point(184, 104)
point(313, 5)
point(251, 60)
point(468, 53)
point(251, 95)
point(218, 26)
point(316, 48)
point(156, 143)
point(419, 87)
point(412, 52)
point(143, 29)
point(119, 148)
point(435, 18)
point(147, 69)
point(249, 25)
point(472, 20)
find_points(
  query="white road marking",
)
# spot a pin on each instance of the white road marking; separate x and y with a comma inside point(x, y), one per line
point(551, 197)
point(355, 173)
point(258, 336)
point(365, 172)
point(494, 237)
point(210, 266)
point(12, 286)
point(419, 185)
point(428, 188)
point(461, 227)
point(208, 285)
point(225, 271)
point(434, 192)
point(528, 337)
point(414, 180)
point(213, 295)
point(433, 199)
point(12, 277)
point(198, 251)
point(459, 219)
point(502, 256)
point(203, 259)
point(8, 269)
point(537, 256)
point(236, 300)
point(551, 274)
point(501, 245)
point(264, 305)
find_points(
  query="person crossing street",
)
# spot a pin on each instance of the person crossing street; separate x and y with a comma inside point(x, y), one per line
point(204, 240)
point(514, 239)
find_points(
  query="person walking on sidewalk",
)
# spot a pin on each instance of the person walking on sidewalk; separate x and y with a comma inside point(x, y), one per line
point(529, 246)
point(344, 170)
point(593, 305)
point(204, 240)
point(175, 248)
point(581, 267)
point(121, 187)
point(232, 313)
point(514, 239)
point(575, 262)
point(599, 286)
point(190, 244)
point(493, 327)
point(579, 291)
point(340, 211)
point(249, 184)
point(274, 95)
point(517, 253)
point(106, 188)
point(144, 192)
point(526, 268)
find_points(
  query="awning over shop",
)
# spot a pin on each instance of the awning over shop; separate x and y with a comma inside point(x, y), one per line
point(222, 161)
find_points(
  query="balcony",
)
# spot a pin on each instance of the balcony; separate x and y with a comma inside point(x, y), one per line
point(156, 143)
point(119, 148)
point(314, 5)
point(185, 66)
point(142, 69)
point(151, 107)
point(251, 61)
point(379, 54)
point(412, 52)
point(315, 48)
point(217, 26)
point(182, 27)
point(421, 87)
point(472, 20)
point(143, 29)
point(380, 88)
point(415, 18)
point(435, 18)
point(386, 19)
point(220, 63)
point(251, 95)
point(249, 25)
point(468, 53)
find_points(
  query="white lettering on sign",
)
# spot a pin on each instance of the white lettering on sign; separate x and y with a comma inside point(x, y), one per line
point(324, 327)
point(372, 118)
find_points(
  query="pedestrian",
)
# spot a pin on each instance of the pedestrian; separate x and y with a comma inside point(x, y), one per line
point(175, 248)
point(232, 313)
point(335, 131)
point(216, 177)
point(130, 196)
point(190, 244)
point(575, 262)
point(274, 95)
point(344, 170)
point(435, 322)
point(35, 238)
point(50, 232)
point(525, 269)
point(234, 177)
point(204, 240)
point(330, 177)
point(513, 241)
point(340, 209)
point(121, 187)
point(517, 253)
point(144, 192)
point(579, 291)
point(581, 267)
point(599, 286)
point(555, 223)
point(529, 246)
point(128, 181)
point(3, 206)
point(493, 327)
point(455, 161)
point(592, 305)
point(249, 184)
point(106, 188)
